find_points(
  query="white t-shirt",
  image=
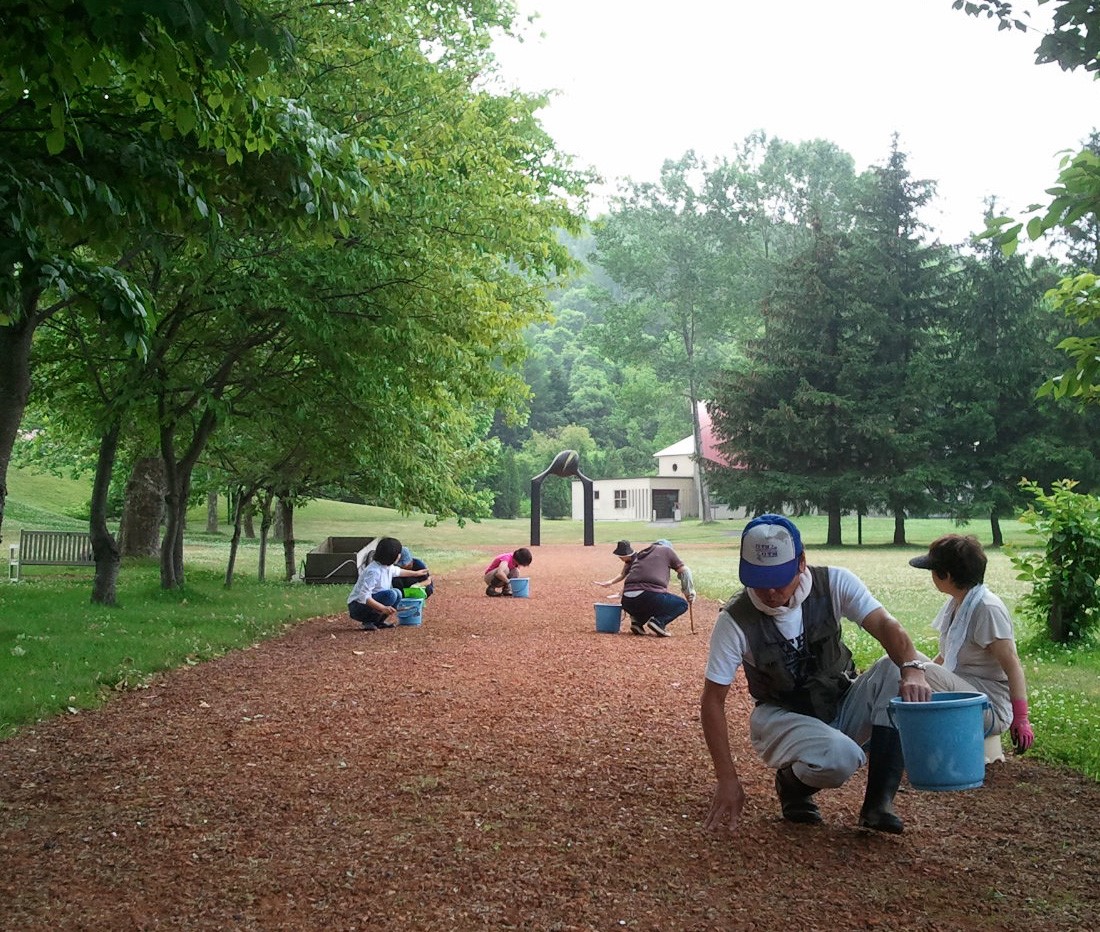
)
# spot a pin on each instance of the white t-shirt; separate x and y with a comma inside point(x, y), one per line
point(374, 577)
point(989, 622)
point(729, 647)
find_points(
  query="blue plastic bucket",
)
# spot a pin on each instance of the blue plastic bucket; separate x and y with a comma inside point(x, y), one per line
point(519, 587)
point(410, 611)
point(609, 618)
point(943, 740)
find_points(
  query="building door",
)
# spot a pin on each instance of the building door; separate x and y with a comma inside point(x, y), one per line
point(664, 503)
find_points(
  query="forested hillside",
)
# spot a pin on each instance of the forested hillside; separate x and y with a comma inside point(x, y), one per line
point(851, 361)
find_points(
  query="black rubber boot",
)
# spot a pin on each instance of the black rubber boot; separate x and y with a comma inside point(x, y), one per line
point(794, 798)
point(884, 768)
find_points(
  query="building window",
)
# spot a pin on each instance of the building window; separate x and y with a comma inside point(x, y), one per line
point(620, 498)
point(675, 466)
point(596, 495)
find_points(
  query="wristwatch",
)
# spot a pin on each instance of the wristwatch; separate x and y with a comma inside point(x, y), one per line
point(914, 664)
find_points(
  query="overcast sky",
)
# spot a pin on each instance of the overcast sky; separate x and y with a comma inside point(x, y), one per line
point(642, 81)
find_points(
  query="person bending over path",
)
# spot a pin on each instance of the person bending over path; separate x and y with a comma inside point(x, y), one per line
point(407, 561)
point(625, 553)
point(503, 569)
point(646, 597)
point(373, 600)
point(813, 715)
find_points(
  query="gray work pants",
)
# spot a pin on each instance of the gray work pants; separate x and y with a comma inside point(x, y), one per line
point(824, 754)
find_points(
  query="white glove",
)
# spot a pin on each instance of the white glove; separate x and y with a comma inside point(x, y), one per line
point(687, 584)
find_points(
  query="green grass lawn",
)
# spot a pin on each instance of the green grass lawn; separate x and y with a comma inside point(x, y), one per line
point(54, 664)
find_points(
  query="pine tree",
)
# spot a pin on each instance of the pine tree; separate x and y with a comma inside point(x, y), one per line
point(906, 283)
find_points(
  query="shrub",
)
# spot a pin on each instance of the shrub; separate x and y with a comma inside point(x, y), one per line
point(1063, 574)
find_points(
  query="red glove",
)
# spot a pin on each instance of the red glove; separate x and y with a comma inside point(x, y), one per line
point(1020, 729)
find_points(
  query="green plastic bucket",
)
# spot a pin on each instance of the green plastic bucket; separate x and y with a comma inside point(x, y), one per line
point(943, 740)
point(609, 618)
point(410, 611)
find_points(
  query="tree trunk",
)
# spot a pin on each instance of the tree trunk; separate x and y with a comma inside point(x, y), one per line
point(177, 475)
point(834, 538)
point(171, 545)
point(700, 470)
point(244, 502)
point(899, 527)
point(277, 532)
point(286, 512)
point(173, 519)
point(1056, 623)
point(211, 512)
point(249, 526)
point(265, 528)
point(995, 529)
point(105, 549)
point(15, 388)
point(143, 509)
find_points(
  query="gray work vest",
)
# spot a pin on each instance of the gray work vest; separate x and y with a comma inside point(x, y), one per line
point(811, 680)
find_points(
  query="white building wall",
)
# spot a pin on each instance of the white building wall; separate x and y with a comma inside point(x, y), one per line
point(676, 472)
point(680, 466)
point(636, 495)
point(721, 512)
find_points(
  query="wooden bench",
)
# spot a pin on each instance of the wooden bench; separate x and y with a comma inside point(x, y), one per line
point(49, 548)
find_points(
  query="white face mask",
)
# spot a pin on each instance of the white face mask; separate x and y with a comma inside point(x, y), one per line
point(805, 581)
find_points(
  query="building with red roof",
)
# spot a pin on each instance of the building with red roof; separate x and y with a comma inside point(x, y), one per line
point(671, 495)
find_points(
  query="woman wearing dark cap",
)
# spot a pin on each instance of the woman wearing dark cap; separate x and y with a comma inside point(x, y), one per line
point(977, 646)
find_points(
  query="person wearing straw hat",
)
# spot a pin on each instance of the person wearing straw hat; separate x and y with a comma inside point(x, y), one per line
point(813, 714)
point(977, 641)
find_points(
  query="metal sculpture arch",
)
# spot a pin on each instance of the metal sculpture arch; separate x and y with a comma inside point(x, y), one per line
point(566, 464)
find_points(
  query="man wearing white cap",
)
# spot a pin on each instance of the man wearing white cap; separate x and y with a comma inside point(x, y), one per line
point(813, 715)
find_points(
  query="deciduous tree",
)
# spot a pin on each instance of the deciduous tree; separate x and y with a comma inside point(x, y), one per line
point(1072, 42)
point(122, 120)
